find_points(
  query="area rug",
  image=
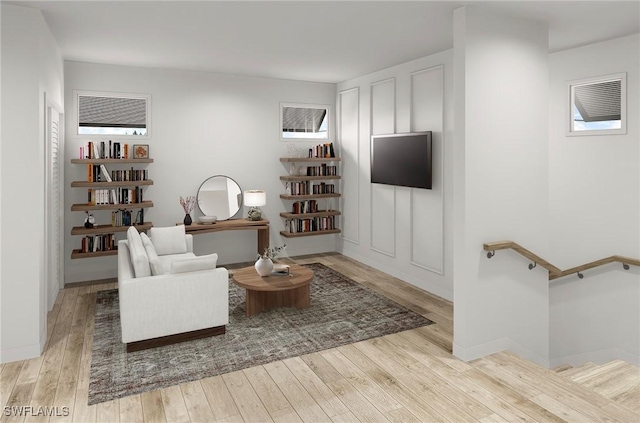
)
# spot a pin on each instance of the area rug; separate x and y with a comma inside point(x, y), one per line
point(341, 312)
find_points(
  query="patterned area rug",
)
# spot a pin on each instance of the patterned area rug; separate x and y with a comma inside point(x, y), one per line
point(341, 312)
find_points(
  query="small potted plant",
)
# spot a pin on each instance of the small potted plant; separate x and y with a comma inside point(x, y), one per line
point(264, 265)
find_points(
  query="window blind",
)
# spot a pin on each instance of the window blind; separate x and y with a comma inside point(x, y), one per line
point(298, 119)
point(114, 112)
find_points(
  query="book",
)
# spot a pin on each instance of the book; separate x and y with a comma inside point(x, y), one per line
point(105, 174)
point(280, 269)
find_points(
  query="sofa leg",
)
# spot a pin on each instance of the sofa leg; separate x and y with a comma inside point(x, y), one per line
point(174, 339)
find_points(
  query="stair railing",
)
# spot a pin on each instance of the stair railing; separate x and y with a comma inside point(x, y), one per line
point(555, 272)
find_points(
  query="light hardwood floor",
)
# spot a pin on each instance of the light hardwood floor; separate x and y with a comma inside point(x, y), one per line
point(404, 377)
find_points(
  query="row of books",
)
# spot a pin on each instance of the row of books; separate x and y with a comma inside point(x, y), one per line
point(99, 173)
point(114, 196)
point(322, 150)
point(130, 175)
point(307, 188)
point(309, 206)
point(322, 170)
point(322, 223)
point(95, 243)
point(104, 150)
point(125, 218)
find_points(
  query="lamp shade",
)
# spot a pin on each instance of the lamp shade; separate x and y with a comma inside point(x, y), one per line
point(255, 198)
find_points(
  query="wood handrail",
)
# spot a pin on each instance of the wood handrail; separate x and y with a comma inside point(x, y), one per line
point(555, 272)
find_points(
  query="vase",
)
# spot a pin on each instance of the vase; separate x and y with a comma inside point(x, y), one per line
point(264, 267)
point(187, 220)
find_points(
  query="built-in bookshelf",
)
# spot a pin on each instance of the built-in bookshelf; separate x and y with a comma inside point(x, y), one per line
point(115, 190)
point(312, 187)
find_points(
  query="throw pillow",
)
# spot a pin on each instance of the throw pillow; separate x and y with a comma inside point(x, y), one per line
point(194, 264)
point(169, 240)
point(138, 255)
point(154, 261)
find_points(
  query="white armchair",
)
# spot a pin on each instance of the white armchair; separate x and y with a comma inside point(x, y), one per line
point(170, 297)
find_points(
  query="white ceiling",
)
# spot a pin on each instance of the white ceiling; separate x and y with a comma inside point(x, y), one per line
point(301, 40)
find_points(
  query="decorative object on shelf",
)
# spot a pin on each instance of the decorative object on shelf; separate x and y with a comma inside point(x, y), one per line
point(89, 221)
point(141, 151)
point(254, 199)
point(293, 151)
point(187, 205)
point(207, 220)
point(264, 264)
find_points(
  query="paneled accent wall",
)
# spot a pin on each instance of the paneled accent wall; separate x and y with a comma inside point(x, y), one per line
point(402, 231)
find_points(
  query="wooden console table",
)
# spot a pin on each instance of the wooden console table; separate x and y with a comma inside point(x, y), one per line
point(262, 226)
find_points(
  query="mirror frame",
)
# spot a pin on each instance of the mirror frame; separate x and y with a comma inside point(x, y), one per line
point(622, 77)
point(327, 107)
point(224, 176)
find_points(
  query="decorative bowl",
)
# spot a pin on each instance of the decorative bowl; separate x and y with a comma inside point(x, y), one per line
point(207, 219)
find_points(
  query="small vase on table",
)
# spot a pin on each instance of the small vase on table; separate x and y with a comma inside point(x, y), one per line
point(187, 220)
point(264, 266)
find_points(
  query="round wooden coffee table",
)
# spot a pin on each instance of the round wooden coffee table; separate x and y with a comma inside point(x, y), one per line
point(265, 293)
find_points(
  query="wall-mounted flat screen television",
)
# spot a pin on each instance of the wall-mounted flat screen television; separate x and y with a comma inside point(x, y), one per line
point(402, 159)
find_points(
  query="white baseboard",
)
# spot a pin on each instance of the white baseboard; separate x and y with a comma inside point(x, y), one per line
point(497, 345)
point(598, 357)
point(85, 276)
point(21, 353)
point(413, 280)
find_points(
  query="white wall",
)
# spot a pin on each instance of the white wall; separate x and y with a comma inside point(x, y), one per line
point(594, 204)
point(203, 124)
point(501, 88)
point(31, 67)
point(401, 231)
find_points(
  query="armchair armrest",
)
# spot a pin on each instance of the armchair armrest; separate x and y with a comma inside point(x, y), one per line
point(162, 305)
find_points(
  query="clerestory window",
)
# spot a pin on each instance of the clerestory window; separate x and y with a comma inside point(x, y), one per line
point(113, 114)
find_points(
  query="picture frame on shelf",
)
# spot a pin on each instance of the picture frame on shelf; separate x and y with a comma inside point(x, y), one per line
point(141, 151)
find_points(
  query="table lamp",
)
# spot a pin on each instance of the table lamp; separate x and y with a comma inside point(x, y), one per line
point(255, 198)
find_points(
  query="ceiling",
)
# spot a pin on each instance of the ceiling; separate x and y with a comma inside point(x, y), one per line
point(301, 40)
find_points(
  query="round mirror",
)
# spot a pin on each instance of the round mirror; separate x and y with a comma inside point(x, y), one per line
point(219, 196)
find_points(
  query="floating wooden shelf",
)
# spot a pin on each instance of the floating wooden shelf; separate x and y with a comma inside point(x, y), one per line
point(308, 197)
point(88, 207)
point(309, 159)
point(78, 254)
point(296, 178)
point(107, 229)
point(110, 161)
point(310, 233)
point(320, 213)
point(97, 185)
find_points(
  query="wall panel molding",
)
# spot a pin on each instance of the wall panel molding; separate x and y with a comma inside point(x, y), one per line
point(426, 111)
point(349, 149)
point(382, 198)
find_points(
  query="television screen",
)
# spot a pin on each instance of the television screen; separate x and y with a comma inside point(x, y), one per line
point(402, 159)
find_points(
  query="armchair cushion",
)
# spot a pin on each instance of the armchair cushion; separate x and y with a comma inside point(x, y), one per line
point(169, 240)
point(138, 255)
point(195, 264)
point(157, 268)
